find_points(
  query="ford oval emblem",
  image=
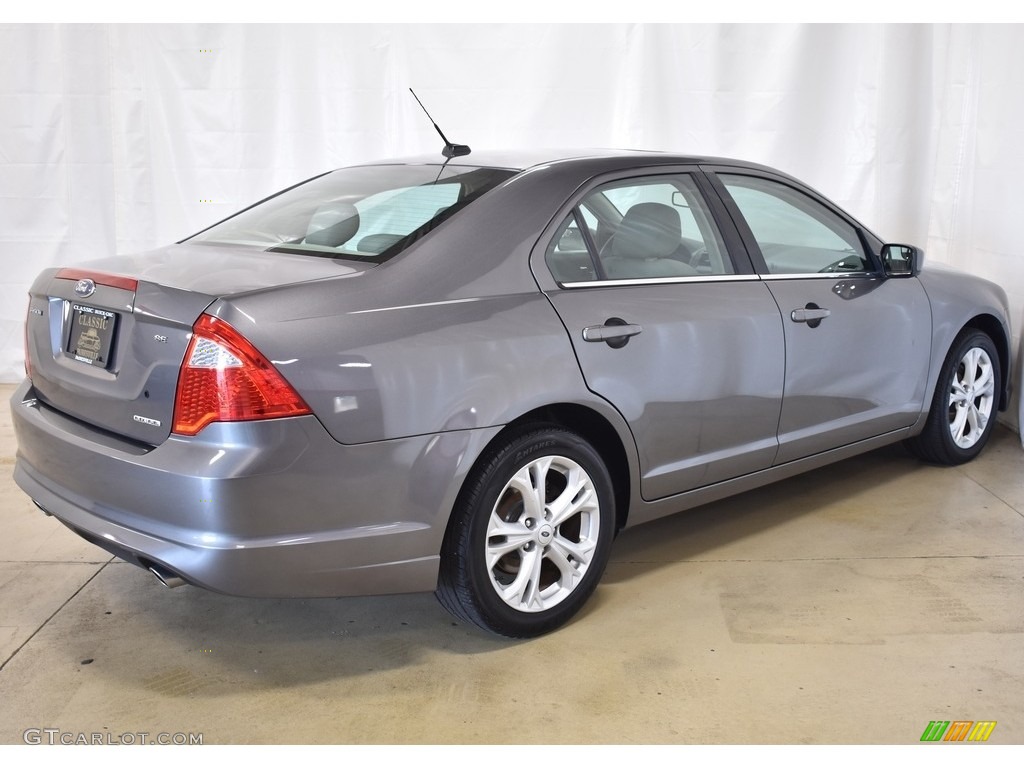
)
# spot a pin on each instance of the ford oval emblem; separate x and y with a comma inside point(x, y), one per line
point(85, 287)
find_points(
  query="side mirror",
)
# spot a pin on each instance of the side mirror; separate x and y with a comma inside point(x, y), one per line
point(901, 260)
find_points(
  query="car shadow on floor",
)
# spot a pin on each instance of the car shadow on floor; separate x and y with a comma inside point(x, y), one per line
point(758, 524)
point(196, 639)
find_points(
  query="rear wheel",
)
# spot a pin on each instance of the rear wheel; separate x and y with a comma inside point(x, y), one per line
point(966, 399)
point(530, 535)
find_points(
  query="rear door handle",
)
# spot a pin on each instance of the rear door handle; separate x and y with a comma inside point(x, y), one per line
point(812, 314)
point(806, 315)
point(606, 332)
point(615, 332)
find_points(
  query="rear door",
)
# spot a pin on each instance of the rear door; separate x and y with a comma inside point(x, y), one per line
point(857, 345)
point(671, 326)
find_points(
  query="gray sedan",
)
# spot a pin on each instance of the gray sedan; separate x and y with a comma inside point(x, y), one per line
point(466, 375)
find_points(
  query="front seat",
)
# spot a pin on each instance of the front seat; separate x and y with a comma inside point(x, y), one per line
point(647, 243)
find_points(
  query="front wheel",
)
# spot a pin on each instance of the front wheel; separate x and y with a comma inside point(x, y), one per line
point(966, 399)
point(530, 534)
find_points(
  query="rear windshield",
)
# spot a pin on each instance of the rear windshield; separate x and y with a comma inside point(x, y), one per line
point(368, 213)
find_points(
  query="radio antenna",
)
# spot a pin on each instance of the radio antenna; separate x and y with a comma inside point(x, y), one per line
point(450, 150)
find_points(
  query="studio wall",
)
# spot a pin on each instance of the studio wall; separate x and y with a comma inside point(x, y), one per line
point(121, 138)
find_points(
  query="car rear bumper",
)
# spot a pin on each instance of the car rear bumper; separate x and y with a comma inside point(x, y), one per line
point(264, 509)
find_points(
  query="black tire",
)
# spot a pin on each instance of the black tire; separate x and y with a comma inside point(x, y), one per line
point(548, 557)
point(961, 418)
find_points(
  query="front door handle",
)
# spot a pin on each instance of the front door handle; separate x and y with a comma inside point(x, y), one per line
point(615, 332)
point(812, 314)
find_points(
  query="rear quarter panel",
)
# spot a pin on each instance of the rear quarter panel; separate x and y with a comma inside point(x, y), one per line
point(394, 371)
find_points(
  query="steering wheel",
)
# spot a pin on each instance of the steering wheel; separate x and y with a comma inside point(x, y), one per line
point(845, 264)
point(700, 260)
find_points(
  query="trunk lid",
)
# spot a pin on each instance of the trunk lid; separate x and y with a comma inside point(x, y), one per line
point(105, 341)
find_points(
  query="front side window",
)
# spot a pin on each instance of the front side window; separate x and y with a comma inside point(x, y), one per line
point(796, 234)
point(637, 229)
point(367, 213)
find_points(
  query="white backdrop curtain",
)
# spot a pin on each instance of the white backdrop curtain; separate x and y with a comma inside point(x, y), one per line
point(120, 138)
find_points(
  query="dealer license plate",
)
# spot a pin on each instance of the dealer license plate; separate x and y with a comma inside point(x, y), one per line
point(92, 335)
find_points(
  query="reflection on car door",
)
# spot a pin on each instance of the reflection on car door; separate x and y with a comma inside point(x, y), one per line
point(666, 329)
point(857, 345)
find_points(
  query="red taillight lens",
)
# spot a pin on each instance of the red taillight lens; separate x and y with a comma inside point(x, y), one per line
point(225, 378)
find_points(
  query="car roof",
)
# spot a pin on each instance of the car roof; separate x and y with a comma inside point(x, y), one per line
point(525, 159)
point(588, 163)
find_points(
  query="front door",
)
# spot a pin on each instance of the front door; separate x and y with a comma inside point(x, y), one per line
point(857, 344)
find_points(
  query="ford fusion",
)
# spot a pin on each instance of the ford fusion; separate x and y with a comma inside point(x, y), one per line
point(465, 375)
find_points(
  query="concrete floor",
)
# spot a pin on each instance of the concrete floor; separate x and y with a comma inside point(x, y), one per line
point(851, 605)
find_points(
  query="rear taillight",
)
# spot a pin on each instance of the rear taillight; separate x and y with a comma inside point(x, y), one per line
point(225, 378)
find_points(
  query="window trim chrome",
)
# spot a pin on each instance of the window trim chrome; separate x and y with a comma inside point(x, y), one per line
point(817, 275)
point(659, 281)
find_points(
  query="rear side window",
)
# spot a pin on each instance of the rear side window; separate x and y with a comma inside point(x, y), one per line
point(367, 213)
point(639, 229)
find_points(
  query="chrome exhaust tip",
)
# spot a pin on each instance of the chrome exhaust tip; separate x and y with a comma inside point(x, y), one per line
point(167, 578)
